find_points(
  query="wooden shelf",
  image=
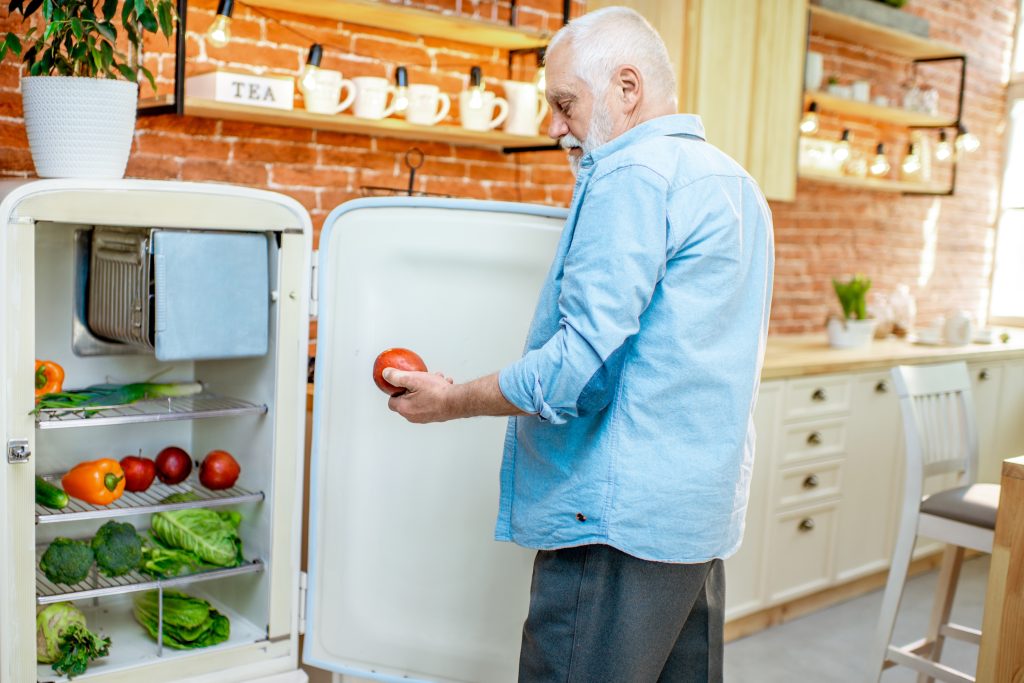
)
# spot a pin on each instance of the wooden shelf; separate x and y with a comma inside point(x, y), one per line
point(345, 123)
point(903, 117)
point(412, 20)
point(873, 184)
point(877, 37)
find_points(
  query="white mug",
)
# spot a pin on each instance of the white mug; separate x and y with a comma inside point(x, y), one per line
point(423, 104)
point(372, 97)
point(482, 117)
point(323, 97)
point(958, 328)
point(526, 108)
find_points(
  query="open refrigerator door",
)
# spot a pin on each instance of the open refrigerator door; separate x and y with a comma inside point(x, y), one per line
point(405, 580)
point(184, 261)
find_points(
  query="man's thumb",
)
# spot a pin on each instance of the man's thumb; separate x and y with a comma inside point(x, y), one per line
point(397, 378)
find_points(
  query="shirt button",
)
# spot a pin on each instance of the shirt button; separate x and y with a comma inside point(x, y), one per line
point(580, 517)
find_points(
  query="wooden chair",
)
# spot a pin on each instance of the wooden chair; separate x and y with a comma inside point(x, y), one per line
point(940, 434)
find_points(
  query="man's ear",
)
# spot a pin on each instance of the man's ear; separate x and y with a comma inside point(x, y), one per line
point(629, 86)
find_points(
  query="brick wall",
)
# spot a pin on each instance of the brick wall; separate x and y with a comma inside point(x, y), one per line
point(941, 247)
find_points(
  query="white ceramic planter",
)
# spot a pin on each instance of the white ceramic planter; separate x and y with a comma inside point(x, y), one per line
point(850, 334)
point(79, 127)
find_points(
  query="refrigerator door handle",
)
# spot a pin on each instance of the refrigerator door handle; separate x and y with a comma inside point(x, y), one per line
point(18, 451)
point(303, 582)
point(314, 289)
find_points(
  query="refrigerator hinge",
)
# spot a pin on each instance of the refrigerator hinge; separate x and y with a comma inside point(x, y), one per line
point(314, 290)
point(303, 579)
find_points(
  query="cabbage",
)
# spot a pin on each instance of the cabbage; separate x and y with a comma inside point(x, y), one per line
point(212, 536)
point(51, 623)
point(63, 640)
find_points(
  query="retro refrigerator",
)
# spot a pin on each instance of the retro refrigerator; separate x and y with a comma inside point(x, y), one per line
point(123, 281)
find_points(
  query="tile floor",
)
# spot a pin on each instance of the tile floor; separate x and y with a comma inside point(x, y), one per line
point(829, 646)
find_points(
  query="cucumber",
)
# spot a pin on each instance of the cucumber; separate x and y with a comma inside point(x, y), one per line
point(49, 495)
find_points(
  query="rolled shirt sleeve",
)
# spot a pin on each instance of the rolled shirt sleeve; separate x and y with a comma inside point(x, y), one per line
point(615, 260)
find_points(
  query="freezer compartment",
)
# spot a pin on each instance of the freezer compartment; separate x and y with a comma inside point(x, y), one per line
point(131, 646)
point(179, 294)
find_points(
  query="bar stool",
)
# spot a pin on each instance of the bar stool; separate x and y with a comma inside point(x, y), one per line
point(940, 434)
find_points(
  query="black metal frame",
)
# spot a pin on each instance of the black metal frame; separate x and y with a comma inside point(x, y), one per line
point(956, 124)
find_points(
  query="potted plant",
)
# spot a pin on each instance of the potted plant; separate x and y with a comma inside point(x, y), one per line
point(81, 91)
point(855, 328)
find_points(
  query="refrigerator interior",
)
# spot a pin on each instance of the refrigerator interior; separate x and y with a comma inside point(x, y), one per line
point(405, 578)
point(248, 433)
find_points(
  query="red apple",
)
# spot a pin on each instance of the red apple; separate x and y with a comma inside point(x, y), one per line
point(173, 465)
point(400, 359)
point(138, 472)
point(219, 470)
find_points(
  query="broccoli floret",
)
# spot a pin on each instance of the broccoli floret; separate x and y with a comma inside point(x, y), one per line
point(118, 548)
point(67, 561)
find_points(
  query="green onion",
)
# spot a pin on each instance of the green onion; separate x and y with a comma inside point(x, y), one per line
point(107, 396)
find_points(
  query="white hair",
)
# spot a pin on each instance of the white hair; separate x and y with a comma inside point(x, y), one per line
point(608, 38)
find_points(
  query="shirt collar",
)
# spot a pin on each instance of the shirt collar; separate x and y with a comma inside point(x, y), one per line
point(673, 124)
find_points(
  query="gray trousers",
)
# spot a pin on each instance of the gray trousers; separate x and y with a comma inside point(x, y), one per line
point(599, 615)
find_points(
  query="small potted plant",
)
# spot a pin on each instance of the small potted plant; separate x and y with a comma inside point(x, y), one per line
point(81, 91)
point(855, 328)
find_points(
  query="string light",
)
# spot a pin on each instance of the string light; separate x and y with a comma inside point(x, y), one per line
point(476, 88)
point(219, 33)
point(966, 142)
point(401, 91)
point(880, 166)
point(842, 151)
point(912, 162)
point(943, 150)
point(540, 78)
point(308, 78)
point(809, 124)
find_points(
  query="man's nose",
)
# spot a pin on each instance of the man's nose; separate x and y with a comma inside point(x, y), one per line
point(558, 127)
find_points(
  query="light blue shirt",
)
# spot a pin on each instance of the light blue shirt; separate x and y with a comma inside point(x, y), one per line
point(643, 360)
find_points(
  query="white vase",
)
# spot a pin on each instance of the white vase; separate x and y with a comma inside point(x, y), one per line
point(850, 334)
point(79, 127)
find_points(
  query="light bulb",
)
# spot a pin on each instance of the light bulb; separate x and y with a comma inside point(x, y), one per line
point(401, 91)
point(476, 88)
point(966, 142)
point(912, 162)
point(842, 151)
point(880, 166)
point(809, 124)
point(944, 150)
point(540, 78)
point(308, 81)
point(219, 33)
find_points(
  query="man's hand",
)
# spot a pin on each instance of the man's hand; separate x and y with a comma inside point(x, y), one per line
point(433, 397)
point(426, 397)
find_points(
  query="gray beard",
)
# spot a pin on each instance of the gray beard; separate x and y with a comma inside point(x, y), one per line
point(599, 133)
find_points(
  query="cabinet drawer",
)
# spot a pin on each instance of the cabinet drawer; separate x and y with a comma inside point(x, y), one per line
point(800, 560)
point(812, 440)
point(815, 396)
point(808, 484)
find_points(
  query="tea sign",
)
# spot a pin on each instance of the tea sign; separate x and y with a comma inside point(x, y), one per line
point(274, 92)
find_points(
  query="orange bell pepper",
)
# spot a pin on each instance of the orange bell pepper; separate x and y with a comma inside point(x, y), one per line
point(98, 482)
point(49, 377)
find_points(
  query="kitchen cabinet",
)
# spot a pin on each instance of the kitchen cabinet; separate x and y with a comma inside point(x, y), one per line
point(1010, 416)
point(739, 64)
point(986, 382)
point(743, 574)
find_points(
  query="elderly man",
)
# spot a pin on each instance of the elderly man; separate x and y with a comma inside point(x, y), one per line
point(628, 457)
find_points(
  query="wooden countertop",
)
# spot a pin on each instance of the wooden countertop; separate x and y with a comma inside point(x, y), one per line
point(810, 354)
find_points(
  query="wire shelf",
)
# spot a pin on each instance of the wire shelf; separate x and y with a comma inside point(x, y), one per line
point(144, 502)
point(97, 585)
point(204, 405)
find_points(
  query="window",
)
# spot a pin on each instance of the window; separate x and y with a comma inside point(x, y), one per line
point(1007, 303)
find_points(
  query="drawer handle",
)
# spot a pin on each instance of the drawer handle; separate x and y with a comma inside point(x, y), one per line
point(806, 524)
point(818, 395)
point(814, 438)
point(882, 387)
point(811, 481)
point(983, 376)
